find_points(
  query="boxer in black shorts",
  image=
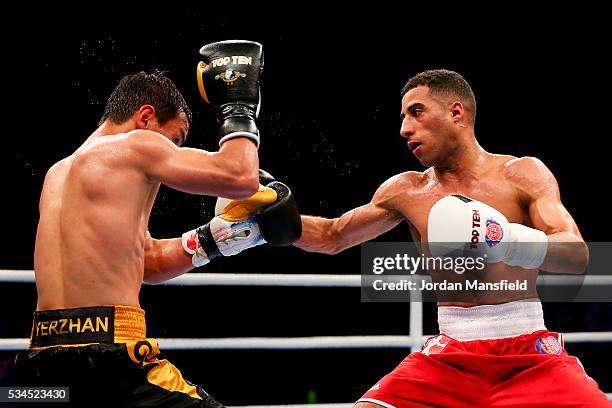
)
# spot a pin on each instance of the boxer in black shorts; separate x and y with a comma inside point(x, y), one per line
point(93, 249)
point(103, 356)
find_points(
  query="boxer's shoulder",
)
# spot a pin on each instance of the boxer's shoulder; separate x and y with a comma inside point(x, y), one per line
point(98, 144)
point(145, 135)
point(131, 139)
point(530, 176)
point(148, 145)
point(59, 167)
point(399, 186)
point(520, 169)
point(407, 181)
point(54, 178)
point(113, 153)
point(124, 147)
point(525, 164)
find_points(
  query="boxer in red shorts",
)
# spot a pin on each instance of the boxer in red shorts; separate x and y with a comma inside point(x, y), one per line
point(493, 349)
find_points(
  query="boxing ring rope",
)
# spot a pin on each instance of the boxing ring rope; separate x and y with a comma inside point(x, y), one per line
point(306, 343)
point(225, 279)
point(306, 280)
point(413, 341)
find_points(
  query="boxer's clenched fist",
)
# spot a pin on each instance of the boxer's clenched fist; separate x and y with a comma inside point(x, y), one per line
point(270, 215)
point(460, 226)
point(228, 79)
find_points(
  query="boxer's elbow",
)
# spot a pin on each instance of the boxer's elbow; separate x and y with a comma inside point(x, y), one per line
point(567, 254)
point(580, 257)
point(242, 182)
point(151, 276)
point(245, 185)
point(153, 279)
point(152, 266)
point(334, 250)
point(240, 174)
point(587, 254)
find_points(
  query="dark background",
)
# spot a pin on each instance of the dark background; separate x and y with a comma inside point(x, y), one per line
point(329, 125)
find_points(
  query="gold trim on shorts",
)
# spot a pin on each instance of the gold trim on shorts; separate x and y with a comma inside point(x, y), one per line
point(87, 325)
point(107, 325)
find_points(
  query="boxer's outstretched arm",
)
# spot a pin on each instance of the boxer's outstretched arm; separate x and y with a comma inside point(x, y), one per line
point(231, 172)
point(358, 225)
point(567, 252)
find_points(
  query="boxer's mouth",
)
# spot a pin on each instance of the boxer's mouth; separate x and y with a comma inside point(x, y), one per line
point(414, 145)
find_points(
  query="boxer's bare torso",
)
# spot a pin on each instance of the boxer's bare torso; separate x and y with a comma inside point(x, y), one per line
point(522, 189)
point(94, 212)
point(412, 195)
point(92, 244)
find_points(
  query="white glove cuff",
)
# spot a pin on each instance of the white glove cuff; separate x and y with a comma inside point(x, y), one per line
point(233, 135)
point(528, 248)
point(234, 237)
point(191, 245)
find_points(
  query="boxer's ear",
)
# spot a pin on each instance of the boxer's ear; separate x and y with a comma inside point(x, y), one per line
point(144, 116)
point(457, 112)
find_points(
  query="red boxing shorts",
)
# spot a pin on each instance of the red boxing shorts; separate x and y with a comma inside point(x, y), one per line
point(481, 359)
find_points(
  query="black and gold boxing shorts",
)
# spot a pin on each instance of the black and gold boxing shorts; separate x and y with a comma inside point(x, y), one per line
point(103, 356)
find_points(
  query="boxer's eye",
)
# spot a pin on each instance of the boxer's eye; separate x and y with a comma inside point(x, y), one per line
point(414, 112)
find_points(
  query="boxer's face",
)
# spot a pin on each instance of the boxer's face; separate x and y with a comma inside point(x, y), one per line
point(175, 129)
point(427, 126)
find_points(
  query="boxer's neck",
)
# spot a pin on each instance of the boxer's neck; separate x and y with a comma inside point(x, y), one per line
point(110, 128)
point(464, 163)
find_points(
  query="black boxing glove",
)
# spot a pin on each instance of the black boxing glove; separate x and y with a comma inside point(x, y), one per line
point(281, 220)
point(265, 178)
point(271, 215)
point(228, 79)
point(280, 223)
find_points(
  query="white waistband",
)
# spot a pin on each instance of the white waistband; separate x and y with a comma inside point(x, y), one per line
point(491, 321)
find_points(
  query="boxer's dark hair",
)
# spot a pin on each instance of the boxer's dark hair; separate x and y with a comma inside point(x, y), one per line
point(143, 88)
point(445, 84)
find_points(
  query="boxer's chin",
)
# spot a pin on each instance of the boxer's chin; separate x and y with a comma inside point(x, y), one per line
point(425, 160)
point(432, 158)
point(427, 163)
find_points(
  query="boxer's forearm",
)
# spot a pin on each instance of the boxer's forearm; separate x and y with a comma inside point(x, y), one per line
point(318, 235)
point(566, 253)
point(166, 259)
point(358, 225)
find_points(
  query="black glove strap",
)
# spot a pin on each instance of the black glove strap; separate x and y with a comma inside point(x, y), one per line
point(207, 242)
point(237, 110)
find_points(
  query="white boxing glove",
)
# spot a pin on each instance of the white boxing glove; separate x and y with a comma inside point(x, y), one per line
point(461, 227)
point(233, 229)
